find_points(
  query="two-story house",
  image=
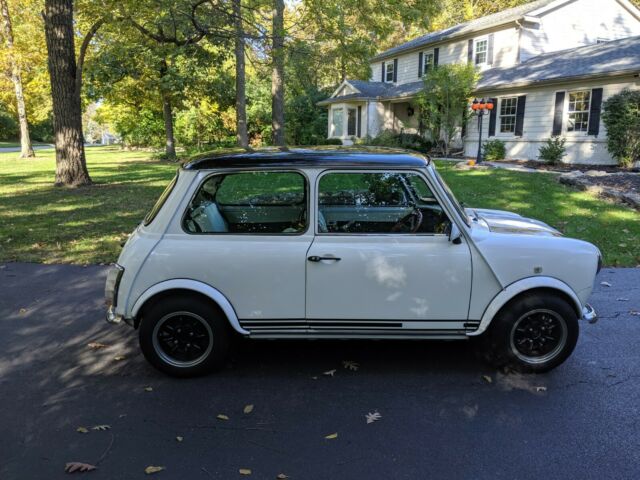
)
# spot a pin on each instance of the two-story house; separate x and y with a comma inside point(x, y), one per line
point(548, 65)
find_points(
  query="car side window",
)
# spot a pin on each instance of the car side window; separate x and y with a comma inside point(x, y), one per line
point(249, 203)
point(378, 203)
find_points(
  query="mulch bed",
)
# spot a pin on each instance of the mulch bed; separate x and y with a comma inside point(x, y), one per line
point(567, 167)
point(629, 182)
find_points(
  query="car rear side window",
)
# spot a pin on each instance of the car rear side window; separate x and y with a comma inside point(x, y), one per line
point(378, 203)
point(249, 203)
point(163, 198)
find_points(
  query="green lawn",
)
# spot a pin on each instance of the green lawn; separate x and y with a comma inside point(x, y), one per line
point(42, 223)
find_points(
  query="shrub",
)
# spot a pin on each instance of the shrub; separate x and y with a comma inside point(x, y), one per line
point(553, 151)
point(8, 127)
point(621, 116)
point(389, 138)
point(494, 150)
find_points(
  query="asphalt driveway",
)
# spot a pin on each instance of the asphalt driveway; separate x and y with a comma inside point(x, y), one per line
point(440, 417)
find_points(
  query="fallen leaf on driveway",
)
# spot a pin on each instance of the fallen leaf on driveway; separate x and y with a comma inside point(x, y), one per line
point(72, 467)
point(179, 439)
point(248, 409)
point(622, 299)
point(634, 313)
point(541, 389)
point(119, 358)
point(331, 436)
point(153, 469)
point(222, 416)
point(101, 427)
point(82, 430)
point(148, 389)
point(23, 311)
point(96, 345)
point(245, 471)
point(487, 378)
point(373, 417)
point(282, 476)
point(330, 373)
point(350, 365)
point(605, 284)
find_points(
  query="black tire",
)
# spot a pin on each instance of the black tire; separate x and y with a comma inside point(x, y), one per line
point(184, 336)
point(533, 333)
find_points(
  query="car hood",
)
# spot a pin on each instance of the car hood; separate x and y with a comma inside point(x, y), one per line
point(501, 221)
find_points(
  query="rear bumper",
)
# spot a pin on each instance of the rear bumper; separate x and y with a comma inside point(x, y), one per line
point(589, 314)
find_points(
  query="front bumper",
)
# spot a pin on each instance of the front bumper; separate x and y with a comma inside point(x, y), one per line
point(589, 314)
point(112, 316)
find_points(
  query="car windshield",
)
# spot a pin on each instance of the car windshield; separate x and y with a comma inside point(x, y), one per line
point(450, 195)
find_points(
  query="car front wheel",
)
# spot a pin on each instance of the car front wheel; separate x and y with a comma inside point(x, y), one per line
point(184, 336)
point(532, 334)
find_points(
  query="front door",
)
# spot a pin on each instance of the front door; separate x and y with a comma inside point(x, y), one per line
point(381, 258)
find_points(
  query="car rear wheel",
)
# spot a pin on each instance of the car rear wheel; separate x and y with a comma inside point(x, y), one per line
point(532, 334)
point(184, 336)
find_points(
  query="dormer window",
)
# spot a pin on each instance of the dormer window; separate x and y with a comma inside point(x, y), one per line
point(481, 49)
point(389, 72)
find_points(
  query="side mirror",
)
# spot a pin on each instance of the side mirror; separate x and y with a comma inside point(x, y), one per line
point(455, 235)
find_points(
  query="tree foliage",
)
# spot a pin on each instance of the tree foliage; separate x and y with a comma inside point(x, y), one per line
point(443, 101)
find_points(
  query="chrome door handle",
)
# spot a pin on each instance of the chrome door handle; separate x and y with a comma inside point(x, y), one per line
point(315, 258)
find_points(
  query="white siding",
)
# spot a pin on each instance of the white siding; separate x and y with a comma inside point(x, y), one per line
point(576, 24)
point(538, 125)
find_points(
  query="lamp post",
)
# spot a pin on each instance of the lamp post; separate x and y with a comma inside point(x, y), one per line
point(481, 107)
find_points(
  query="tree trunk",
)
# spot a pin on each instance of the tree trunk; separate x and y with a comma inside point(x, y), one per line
point(71, 166)
point(167, 113)
point(277, 76)
point(26, 150)
point(241, 101)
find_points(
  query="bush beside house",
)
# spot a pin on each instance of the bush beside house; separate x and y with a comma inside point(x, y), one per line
point(622, 118)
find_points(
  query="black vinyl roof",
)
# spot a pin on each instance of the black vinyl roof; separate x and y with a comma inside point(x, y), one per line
point(308, 157)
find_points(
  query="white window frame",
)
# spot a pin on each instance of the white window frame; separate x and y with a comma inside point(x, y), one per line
point(333, 123)
point(387, 70)
point(568, 112)
point(476, 41)
point(426, 55)
point(501, 116)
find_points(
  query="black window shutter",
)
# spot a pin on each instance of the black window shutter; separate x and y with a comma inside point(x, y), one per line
point(382, 72)
point(490, 49)
point(420, 63)
point(359, 130)
point(596, 107)
point(464, 123)
point(558, 114)
point(493, 117)
point(395, 69)
point(436, 56)
point(470, 51)
point(522, 102)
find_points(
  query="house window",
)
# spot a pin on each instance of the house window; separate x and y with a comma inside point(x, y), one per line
point(481, 51)
point(388, 74)
point(337, 121)
point(508, 111)
point(579, 106)
point(428, 62)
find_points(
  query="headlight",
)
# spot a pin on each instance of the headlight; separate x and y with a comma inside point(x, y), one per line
point(113, 282)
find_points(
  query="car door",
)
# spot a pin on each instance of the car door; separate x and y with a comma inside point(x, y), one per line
point(381, 257)
point(246, 234)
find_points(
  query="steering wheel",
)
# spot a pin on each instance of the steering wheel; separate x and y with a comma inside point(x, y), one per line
point(412, 221)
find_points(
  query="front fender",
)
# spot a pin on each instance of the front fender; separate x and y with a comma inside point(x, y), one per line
point(518, 287)
point(196, 286)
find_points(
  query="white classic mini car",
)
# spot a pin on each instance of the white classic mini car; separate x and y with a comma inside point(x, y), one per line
point(342, 243)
